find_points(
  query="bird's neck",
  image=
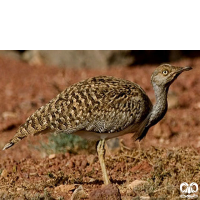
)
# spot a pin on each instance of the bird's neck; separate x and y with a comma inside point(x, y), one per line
point(160, 108)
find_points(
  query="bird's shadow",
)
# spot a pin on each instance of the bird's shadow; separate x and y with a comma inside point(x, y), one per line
point(119, 182)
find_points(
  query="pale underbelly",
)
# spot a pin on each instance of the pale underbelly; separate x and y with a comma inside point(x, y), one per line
point(98, 136)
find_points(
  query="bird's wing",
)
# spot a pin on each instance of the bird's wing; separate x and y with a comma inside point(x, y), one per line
point(101, 104)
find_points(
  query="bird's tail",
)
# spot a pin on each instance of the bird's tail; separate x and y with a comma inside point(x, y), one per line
point(34, 125)
point(12, 142)
point(21, 133)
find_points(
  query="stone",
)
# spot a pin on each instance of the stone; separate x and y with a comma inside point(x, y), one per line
point(4, 173)
point(79, 194)
point(136, 183)
point(51, 156)
point(65, 188)
point(108, 192)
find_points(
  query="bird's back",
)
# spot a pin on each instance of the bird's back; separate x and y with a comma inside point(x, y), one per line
point(101, 105)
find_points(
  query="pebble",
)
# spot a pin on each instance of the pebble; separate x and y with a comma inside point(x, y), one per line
point(136, 183)
point(79, 194)
point(4, 173)
point(51, 156)
point(65, 188)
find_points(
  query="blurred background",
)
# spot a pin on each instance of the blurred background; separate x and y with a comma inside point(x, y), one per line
point(99, 58)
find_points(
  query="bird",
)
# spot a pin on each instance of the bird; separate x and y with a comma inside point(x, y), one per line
point(103, 107)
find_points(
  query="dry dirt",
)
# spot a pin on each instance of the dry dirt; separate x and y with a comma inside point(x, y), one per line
point(26, 173)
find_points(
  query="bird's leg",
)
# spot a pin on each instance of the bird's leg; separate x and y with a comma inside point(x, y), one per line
point(101, 154)
point(139, 147)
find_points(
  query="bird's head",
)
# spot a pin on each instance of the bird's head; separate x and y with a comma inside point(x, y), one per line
point(165, 74)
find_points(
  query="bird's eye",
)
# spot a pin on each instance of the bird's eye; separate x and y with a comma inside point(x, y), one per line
point(165, 72)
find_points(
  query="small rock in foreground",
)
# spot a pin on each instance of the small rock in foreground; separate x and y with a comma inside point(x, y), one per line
point(108, 192)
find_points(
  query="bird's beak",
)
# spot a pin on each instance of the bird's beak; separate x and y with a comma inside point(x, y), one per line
point(187, 68)
point(184, 69)
point(179, 70)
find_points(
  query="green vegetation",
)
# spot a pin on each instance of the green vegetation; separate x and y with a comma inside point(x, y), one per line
point(62, 142)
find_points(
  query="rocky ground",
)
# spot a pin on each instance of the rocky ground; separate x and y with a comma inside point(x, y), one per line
point(168, 156)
